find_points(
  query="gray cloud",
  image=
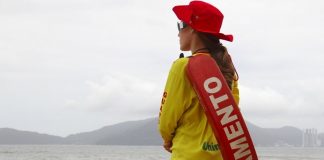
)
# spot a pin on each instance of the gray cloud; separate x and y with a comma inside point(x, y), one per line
point(86, 62)
point(124, 94)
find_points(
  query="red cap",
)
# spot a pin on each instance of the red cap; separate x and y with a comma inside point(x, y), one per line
point(202, 17)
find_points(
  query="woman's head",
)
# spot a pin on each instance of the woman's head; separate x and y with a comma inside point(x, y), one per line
point(200, 28)
point(202, 17)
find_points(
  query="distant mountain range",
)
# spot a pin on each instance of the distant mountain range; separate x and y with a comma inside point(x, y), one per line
point(12, 136)
point(144, 132)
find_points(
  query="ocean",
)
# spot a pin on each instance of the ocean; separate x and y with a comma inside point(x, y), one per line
point(97, 152)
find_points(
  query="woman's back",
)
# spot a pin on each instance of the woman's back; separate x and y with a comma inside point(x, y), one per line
point(183, 120)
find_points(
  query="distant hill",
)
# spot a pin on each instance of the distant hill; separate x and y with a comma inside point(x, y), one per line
point(144, 132)
point(12, 136)
point(275, 136)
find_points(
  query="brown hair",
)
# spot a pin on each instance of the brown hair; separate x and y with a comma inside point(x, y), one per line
point(221, 56)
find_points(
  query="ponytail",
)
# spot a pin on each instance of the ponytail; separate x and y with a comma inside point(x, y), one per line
point(221, 56)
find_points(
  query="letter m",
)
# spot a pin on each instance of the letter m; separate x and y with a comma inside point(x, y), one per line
point(242, 149)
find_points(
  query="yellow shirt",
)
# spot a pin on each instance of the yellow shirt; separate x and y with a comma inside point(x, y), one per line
point(182, 120)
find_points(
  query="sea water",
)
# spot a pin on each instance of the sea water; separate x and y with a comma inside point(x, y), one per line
point(97, 152)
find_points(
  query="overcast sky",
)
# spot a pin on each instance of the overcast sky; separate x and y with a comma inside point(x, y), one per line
point(69, 66)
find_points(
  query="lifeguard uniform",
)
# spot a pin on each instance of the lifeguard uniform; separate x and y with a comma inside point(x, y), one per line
point(182, 120)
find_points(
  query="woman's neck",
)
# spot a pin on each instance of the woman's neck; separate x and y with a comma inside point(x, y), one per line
point(197, 46)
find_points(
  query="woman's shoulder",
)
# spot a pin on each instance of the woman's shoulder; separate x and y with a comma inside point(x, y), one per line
point(179, 65)
point(181, 61)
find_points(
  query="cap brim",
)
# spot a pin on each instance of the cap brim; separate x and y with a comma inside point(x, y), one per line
point(228, 37)
point(183, 12)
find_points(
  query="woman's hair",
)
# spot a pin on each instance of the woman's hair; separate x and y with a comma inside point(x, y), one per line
point(221, 56)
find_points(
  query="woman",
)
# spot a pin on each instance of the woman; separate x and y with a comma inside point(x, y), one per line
point(182, 122)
